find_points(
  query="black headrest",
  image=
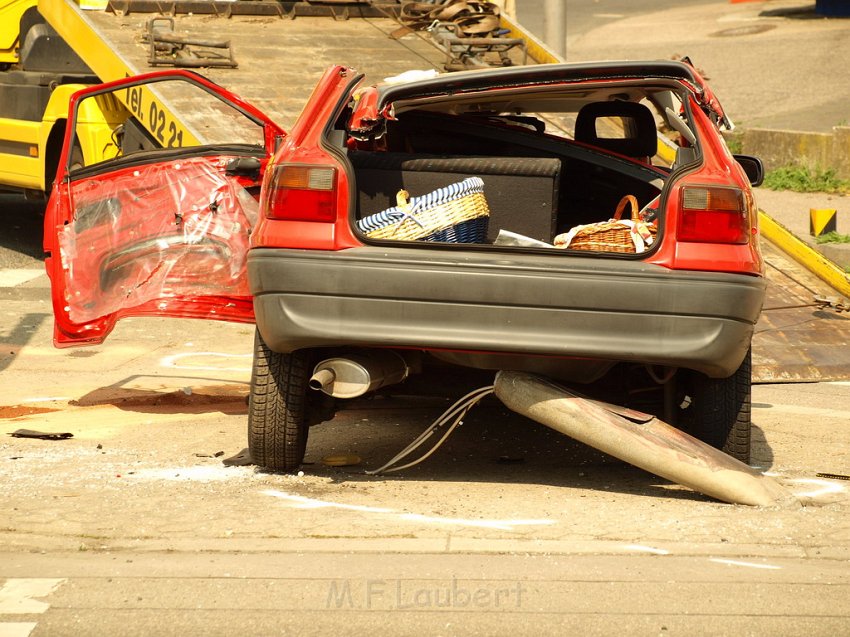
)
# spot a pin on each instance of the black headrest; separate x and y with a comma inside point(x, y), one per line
point(640, 137)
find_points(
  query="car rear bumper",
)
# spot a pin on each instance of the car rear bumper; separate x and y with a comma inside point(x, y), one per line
point(484, 301)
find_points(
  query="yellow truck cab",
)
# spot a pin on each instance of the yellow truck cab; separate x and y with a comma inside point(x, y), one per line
point(38, 73)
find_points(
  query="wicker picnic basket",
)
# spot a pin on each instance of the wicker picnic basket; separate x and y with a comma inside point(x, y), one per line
point(457, 213)
point(615, 235)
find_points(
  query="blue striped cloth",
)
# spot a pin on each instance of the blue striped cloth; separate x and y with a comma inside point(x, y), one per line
point(394, 215)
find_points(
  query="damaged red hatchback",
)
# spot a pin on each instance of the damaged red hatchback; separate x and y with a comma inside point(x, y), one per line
point(438, 227)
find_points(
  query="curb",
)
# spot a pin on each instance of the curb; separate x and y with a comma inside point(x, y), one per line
point(782, 148)
point(804, 254)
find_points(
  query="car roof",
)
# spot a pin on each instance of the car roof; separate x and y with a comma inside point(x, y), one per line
point(538, 74)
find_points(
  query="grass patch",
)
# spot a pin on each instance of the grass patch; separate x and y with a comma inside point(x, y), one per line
point(833, 237)
point(805, 179)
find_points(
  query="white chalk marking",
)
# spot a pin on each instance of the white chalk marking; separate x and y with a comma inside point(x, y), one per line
point(310, 503)
point(302, 502)
point(178, 361)
point(13, 278)
point(16, 595)
point(16, 629)
point(826, 488)
point(646, 549)
point(769, 567)
point(609, 16)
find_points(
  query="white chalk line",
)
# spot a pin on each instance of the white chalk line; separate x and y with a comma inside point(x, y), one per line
point(178, 361)
point(827, 488)
point(770, 567)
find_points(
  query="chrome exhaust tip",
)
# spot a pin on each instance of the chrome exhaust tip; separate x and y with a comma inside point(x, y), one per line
point(358, 373)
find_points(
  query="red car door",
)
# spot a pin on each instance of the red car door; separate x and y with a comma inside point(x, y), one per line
point(150, 215)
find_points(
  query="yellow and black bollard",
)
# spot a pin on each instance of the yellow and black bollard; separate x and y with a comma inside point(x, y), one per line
point(822, 221)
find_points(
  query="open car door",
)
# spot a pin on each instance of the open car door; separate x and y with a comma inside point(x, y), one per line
point(150, 215)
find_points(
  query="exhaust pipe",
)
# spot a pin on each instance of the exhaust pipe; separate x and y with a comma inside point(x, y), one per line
point(640, 439)
point(359, 373)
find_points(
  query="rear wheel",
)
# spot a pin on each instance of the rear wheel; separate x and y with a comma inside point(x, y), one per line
point(278, 407)
point(720, 411)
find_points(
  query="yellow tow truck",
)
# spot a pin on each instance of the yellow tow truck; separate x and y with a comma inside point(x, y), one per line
point(51, 48)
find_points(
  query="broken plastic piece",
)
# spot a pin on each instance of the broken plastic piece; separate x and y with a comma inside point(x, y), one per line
point(241, 459)
point(41, 435)
point(833, 476)
point(341, 460)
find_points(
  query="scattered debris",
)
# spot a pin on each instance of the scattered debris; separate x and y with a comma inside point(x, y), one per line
point(41, 435)
point(833, 476)
point(470, 33)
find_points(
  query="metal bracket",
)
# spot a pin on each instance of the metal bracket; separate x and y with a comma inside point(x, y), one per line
point(465, 52)
point(169, 49)
point(337, 9)
point(824, 303)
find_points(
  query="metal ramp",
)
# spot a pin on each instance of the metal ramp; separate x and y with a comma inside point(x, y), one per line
point(796, 339)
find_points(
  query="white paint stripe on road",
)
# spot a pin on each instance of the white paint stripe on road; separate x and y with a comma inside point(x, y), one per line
point(309, 503)
point(16, 629)
point(16, 595)
point(13, 278)
point(770, 567)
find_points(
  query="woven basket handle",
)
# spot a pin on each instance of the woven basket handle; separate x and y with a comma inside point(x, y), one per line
point(628, 199)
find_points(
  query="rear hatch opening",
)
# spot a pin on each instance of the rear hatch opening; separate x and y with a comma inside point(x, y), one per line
point(551, 160)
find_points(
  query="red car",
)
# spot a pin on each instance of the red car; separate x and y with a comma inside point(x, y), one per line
point(504, 257)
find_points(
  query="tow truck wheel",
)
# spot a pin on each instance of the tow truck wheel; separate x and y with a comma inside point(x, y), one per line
point(277, 409)
point(721, 411)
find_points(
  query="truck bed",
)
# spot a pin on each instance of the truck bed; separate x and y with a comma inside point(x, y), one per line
point(280, 60)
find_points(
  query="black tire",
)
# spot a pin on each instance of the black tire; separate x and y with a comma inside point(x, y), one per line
point(278, 407)
point(720, 411)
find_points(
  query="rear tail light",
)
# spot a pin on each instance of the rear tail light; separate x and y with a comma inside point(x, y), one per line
point(300, 192)
point(713, 215)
